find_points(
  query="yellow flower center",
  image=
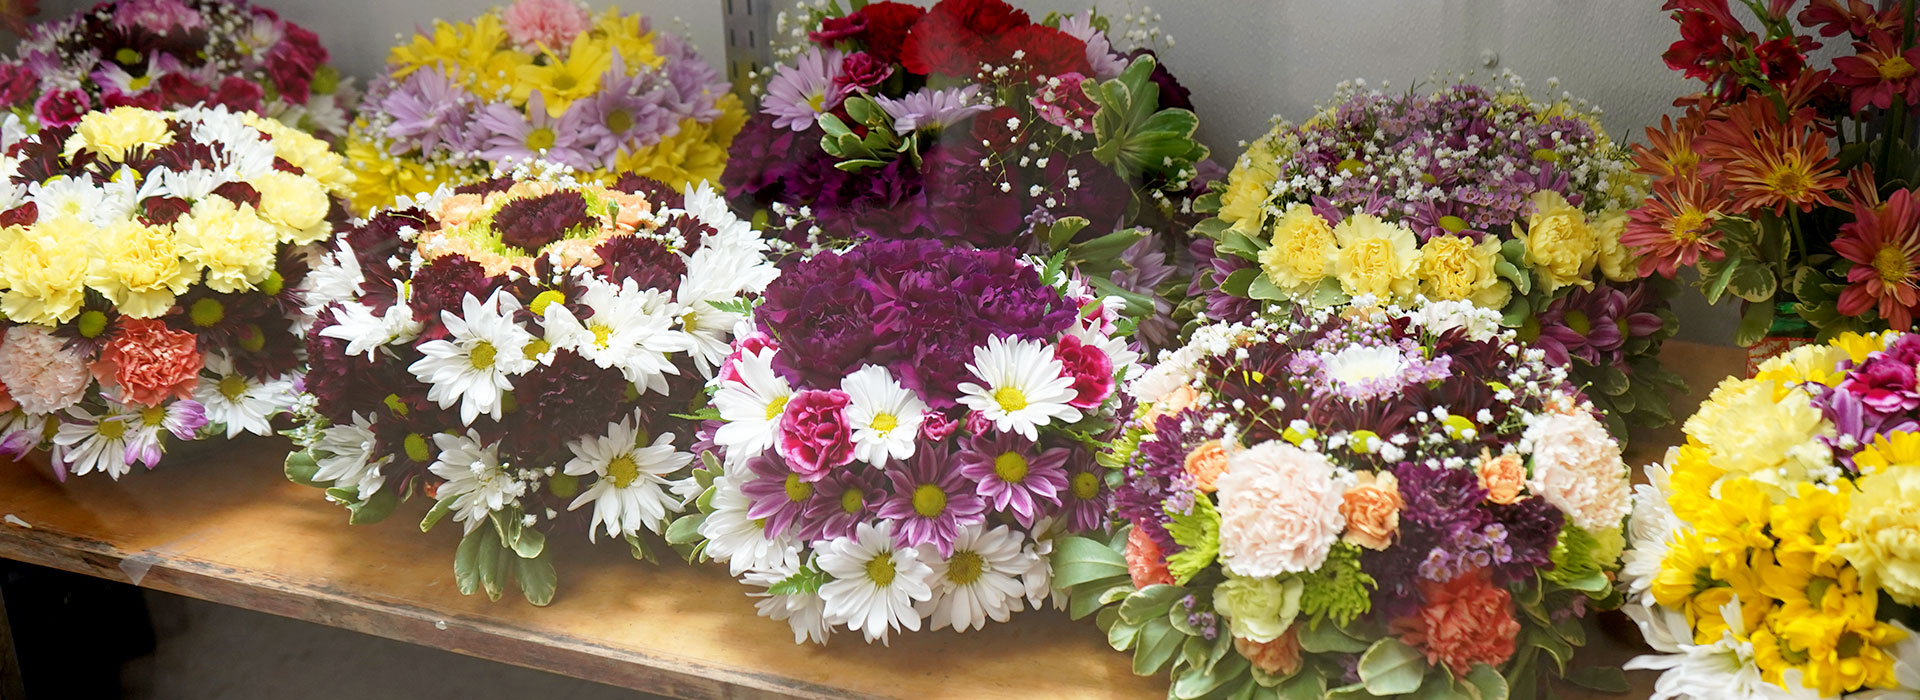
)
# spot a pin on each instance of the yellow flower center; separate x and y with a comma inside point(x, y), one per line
point(1850, 643)
point(1578, 322)
point(126, 56)
point(965, 567)
point(207, 312)
point(1684, 162)
point(140, 83)
point(884, 423)
point(1689, 225)
point(415, 446)
point(1790, 180)
point(483, 355)
point(1085, 486)
point(623, 470)
point(538, 347)
point(880, 570)
point(564, 82)
point(774, 407)
point(1010, 399)
point(929, 501)
point(853, 501)
point(600, 335)
point(153, 414)
point(232, 386)
point(619, 121)
point(545, 299)
point(540, 139)
point(798, 490)
point(1895, 68)
point(1892, 265)
point(111, 429)
point(1011, 467)
point(817, 102)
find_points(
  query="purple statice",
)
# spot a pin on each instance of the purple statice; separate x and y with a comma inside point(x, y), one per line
point(1359, 361)
point(929, 500)
point(932, 110)
point(1014, 474)
point(516, 135)
point(1152, 477)
point(841, 501)
point(428, 110)
point(803, 90)
point(780, 498)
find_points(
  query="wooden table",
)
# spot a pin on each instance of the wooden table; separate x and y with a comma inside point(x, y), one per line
point(229, 528)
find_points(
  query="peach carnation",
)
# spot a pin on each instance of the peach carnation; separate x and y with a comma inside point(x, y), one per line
point(150, 362)
point(1280, 657)
point(1502, 476)
point(41, 374)
point(1279, 510)
point(1145, 564)
point(1174, 402)
point(6, 398)
point(1206, 463)
point(548, 24)
point(1577, 468)
point(1465, 621)
point(1372, 509)
point(457, 210)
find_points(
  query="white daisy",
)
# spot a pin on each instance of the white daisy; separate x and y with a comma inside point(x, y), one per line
point(473, 366)
point(875, 584)
point(477, 482)
point(884, 415)
point(366, 331)
point(751, 407)
point(980, 581)
point(1025, 387)
point(630, 330)
point(90, 443)
point(1689, 671)
point(741, 541)
point(628, 493)
point(346, 456)
point(804, 612)
point(63, 196)
point(242, 404)
point(1039, 577)
point(716, 274)
point(1651, 531)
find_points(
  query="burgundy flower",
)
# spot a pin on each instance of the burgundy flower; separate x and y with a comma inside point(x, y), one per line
point(836, 29)
point(814, 433)
point(887, 24)
point(16, 84)
point(1091, 369)
point(442, 285)
point(535, 222)
point(61, 107)
point(991, 127)
point(23, 215)
point(860, 70)
point(571, 391)
point(645, 261)
point(239, 94)
point(181, 89)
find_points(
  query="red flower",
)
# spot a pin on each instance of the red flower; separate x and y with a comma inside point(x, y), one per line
point(181, 89)
point(1856, 17)
point(1771, 163)
point(1675, 227)
point(861, 70)
point(1043, 52)
point(1884, 245)
point(956, 36)
point(150, 99)
point(291, 63)
point(835, 29)
point(239, 94)
point(149, 362)
point(814, 433)
point(16, 84)
point(1878, 72)
point(1709, 39)
point(1782, 59)
point(1669, 152)
point(992, 128)
point(886, 27)
point(1091, 370)
point(61, 107)
point(1463, 622)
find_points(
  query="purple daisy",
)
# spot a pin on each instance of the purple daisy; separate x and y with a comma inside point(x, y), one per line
point(841, 501)
point(803, 90)
point(633, 109)
point(1083, 506)
point(933, 110)
point(428, 110)
point(779, 497)
point(515, 135)
point(930, 501)
point(1014, 474)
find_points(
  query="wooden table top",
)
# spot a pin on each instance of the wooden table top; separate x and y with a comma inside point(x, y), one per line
point(229, 528)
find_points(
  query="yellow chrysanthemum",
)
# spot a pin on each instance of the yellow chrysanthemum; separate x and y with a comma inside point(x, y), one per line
point(383, 177)
point(113, 133)
point(1884, 522)
point(561, 80)
point(1859, 345)
point(624, 37)
point(233, 243)
point(1302, 252)
point(1455, 268)
point(697, 154)
point(1844, 651)
point(464, 47)
point(1809, 528)
point(1698, 578)
point(1376, 258)
point(139, 269)
point(1244, 203)
point(1691, 482)
point(1738, 517)
point(1749, 431)
point(1805, 364)
point(44, 270)
point(1895, 449)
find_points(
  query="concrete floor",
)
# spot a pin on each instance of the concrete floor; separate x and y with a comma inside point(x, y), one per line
point(214, 652)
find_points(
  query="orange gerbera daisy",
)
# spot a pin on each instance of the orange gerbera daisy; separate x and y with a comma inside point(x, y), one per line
point(1768, 163)
point(1669, 153)
point(1675, 227)
point(1884, 245)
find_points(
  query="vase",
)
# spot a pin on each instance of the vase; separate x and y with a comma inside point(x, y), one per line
point(1788, 331)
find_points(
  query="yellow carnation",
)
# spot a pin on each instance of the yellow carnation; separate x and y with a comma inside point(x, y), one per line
point(235, 245)
point(44, 270)
point(1884, 519)
point(1244, 203)
point(1749, 431)
point(1561, 247)
point(1375, 258)
point(1616, 261)
point(312, 156)
point(1455, 268)
point(1303, 249)
point(1807, 363)
point(296, 203)
point(113, 133)
point(138, 269)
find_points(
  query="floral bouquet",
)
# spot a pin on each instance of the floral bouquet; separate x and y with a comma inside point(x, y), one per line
point(541, 79)
point(905, 431)
point(1776, 554)
point(150, 273)
point(1785, 184)
point(972, 124)
point(518, 350)
point(159, 54)
point(1465, 194)
point(1371, 504)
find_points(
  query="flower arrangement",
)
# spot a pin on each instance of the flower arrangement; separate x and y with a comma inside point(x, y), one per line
point(547, 80)
point(160, 54)
point(522, 351)
point(970, 123)
point(1786, 184)
point(1467, 193)
point(1776, 553)
point(1374, 502)
point(150, 273)
point(904, 432)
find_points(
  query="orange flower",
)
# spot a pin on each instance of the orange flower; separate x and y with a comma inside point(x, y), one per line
point(1174, 402)
point(1372, 509)
point(1675, 228)
point(1465, 621)
point(1769, 163)
point(1280, 657)
point(1145, 564)
point(1206, 463)
point(458, 209)
point(150, 362)
point(1669, 152)
point(1501, 476)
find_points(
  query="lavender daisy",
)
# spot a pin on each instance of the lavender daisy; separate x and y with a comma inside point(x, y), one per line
point(930, 501)
point(933, 110)
point(778, 495)
point(803, 90)
point(1015, 474)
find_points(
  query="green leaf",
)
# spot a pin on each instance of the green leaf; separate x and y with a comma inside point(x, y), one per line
point(1150, 602)
point(530, 543)
point(1325, 637)
point(1606, 679)
point(831, 125)
point(1158, 642)
point(1062, 232)
point(641, 552)
point(808, 579)
point(1390, 667)
point(1079, 560)
point(466, 559)
point(1236, 284)
point(440, 510)
point(1715, 275)
point(1753, 282)
point(374, 509)
point(1309, 684)
point(1517, 312)
point(686, 529)
point(1085, 598)
point(1196, 684)
point(1104, 251)
point(1240, 245)
point(1594, 582)
point(300, 468)
point(1487, 682)
point(1264, 288)
point(1754, 324)
point(537, 579)
point(1122, 635)
point(491, 563)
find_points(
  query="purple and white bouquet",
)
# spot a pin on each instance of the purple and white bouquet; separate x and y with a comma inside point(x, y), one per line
point(904, 432)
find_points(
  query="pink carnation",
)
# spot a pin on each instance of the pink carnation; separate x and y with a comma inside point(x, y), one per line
point(753, 343)
point(40, 373)
point(1577, 468)
point(814, 434)
point(150, 362)
point(156, 16)
point(936, 426)
point(1279, 510)
point(1065, 104)
point(1091, 370)
point(545, 23)
point(61, 107)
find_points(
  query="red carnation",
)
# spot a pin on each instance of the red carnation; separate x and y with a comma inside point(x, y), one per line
point(61, 107)
point(1044, 52)
point(16, 84)
point(146, 100)
point(181, 89)
point(957, 35)
point(835, 29)
point(239, 94)
point(886, 27)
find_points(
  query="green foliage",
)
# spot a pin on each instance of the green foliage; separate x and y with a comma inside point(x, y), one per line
point(808, 579)
point(1199, 532)
point(1339, 591)
point(1134, 136)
